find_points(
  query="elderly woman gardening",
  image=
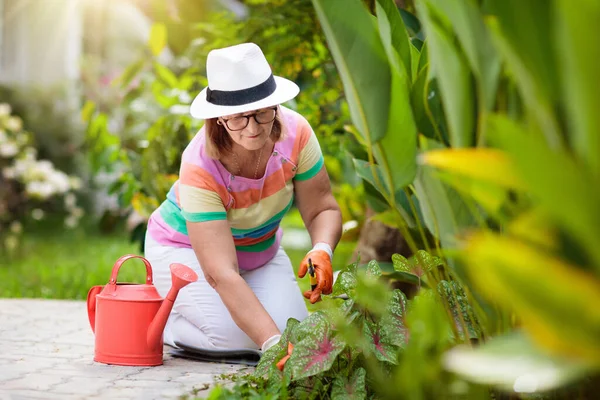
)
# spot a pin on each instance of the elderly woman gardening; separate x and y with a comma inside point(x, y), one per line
point(239, 176)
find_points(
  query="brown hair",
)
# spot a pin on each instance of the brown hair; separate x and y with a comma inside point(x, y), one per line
point(218, 141)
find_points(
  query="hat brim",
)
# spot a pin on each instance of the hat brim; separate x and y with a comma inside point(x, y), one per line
point(202, 109)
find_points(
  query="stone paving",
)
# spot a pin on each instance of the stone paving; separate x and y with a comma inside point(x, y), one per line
point(47, 350)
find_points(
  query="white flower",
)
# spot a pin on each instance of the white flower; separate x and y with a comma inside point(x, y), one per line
point(22, 166)
point(8, 149)
point(37, 214)
point(3, 136)
point(60, 181)
point(5, 109)
point(38, 170)
point(14, 124)
point(16, 227)
point(41, 190)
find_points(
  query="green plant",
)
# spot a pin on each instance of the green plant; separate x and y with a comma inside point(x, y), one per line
point(138, 141)
point(367, 334)
point(482, 145)
point(29, 187)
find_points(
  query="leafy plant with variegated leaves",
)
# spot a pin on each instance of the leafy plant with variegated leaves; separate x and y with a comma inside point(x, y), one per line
point(419, 265)
point(335, 346)
point(366, 335)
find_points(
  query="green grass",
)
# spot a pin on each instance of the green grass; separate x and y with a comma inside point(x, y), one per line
point(64, 264)
point(56, 263)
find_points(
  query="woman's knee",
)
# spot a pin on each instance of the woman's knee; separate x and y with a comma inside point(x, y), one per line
point(224, 334)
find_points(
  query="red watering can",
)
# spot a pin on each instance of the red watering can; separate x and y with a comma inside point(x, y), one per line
point(128, 319)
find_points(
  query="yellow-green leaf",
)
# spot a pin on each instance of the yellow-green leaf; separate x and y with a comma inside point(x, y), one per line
point(557, 303)
point(486, 164)
point(158, 38)
point(87, 110)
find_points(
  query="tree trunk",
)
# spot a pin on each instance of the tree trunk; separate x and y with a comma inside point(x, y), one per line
point(379, 242)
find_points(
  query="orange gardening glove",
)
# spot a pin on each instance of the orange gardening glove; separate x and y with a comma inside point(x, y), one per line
point(321, 261)
point(282, 362)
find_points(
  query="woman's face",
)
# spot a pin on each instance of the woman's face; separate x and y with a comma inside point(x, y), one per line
point(251, 129)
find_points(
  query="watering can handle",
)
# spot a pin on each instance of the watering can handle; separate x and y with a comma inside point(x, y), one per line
point(121, 260)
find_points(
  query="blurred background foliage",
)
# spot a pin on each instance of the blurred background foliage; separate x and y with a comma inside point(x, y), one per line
point(138, 141)
point(462, 138)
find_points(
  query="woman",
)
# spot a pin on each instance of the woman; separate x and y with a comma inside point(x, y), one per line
point(239, 176)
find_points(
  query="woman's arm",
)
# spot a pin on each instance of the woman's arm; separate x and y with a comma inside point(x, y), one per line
point(214, 248)
point(319, 209)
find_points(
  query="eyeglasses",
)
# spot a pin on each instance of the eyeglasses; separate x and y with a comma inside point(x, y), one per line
point(261, 117)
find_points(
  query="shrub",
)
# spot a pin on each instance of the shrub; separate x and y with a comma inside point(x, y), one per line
point(29, 187)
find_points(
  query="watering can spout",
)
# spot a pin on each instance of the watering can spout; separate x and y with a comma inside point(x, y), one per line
point(181, 276)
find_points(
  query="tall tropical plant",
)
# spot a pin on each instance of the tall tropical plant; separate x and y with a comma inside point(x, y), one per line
point(501, 180)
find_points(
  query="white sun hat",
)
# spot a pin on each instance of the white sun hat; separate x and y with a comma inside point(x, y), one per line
point(240, 80)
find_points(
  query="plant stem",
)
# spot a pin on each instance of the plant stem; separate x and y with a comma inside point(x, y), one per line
point(420, 228)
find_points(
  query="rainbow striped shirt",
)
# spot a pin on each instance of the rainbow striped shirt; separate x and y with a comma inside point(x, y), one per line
point(206, 191)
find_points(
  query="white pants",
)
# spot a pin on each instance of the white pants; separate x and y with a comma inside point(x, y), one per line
point(200, 319)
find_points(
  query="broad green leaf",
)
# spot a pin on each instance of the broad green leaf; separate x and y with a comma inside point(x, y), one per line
point(396, 151)
point(129, 74)
point(344, 284)
point(534, 226)
point(428, 324)
point(401, 263)
point(413, 26)
point(352, 387)
point(415, 56)
point(270, 357)
point(158, 38)
point(513, 363)
point(527, 60)
point(557, 303)
point(445, 212)
point(491, 165)
point(316, 326)
point(391, 27)
point(454, 76)
point(365, 171)
point(476, 42)
point(425, 261)
point(423, 58)
point(419, 264)
point(87, 111)
point(372, 293)
point(389, 273)
point(490, 196)
point(563, 189)
point(373, 269)
point(580, 61)
point(166, 75)
point(361, 61)
point(528, 27)
point(380, 343)
point(348, 311)
point(392, 323)
point(427, 108)
point(312, 356)
point(462, 312)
